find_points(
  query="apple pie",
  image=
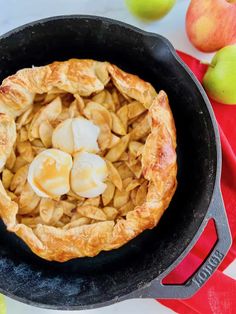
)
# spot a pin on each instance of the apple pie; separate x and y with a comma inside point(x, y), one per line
point(87, 157)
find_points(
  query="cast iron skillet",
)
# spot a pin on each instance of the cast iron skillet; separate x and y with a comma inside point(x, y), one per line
point(138, 268)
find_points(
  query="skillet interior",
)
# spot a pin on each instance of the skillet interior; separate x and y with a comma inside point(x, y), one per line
point(87, 281)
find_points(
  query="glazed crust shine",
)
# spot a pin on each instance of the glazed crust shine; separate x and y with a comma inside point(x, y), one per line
point(159, 166)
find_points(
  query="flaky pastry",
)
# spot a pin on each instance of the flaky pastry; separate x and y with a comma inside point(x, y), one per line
point(137, 141)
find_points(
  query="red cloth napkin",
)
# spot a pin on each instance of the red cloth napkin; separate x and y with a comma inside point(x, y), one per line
point(218, 295)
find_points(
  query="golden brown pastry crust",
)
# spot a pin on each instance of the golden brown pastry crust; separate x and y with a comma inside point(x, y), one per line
point(7, 137)
point(74, 76)
point(132, 86)
point(158, 159)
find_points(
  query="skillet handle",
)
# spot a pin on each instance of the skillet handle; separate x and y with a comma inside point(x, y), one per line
point(158, 290)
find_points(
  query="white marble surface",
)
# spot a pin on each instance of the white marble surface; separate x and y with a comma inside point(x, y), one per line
point(17, 12)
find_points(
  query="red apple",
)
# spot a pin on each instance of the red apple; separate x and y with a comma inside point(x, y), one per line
point(211, 24)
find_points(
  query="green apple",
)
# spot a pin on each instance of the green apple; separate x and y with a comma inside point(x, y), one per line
point(150, 10)
point(3, 309)
point(220, 78)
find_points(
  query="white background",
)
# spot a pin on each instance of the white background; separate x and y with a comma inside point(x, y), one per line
point(17, 12)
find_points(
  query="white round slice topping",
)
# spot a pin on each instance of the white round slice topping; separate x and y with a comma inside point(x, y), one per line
point(88, 174)
point(77, 134)
point(49, 173)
